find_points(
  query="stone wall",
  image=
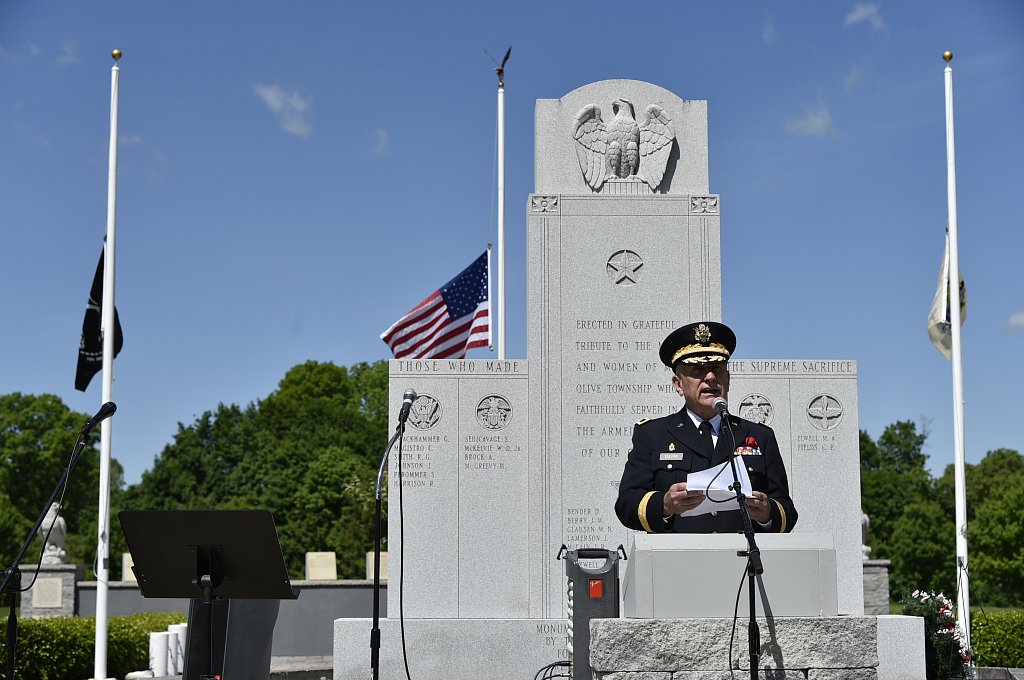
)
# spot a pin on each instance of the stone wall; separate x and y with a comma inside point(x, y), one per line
point(876, 587)
point(827, 648)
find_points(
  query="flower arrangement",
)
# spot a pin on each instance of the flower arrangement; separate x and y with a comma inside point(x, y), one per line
point(946, 652)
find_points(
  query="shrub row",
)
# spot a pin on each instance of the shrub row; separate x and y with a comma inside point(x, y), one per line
point(998, 638)
point(64, 648)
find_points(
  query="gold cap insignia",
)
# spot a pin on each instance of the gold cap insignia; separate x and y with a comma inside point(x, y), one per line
point(702, 334)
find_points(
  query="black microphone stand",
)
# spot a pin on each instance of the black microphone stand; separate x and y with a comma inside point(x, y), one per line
point(753, 555)
point(375, 633)
point(11, 583)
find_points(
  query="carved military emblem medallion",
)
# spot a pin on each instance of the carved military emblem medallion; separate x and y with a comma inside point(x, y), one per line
point(825, 412)
point(624, 268)
point(493, 412)
point(425, 412)
point(757, 409)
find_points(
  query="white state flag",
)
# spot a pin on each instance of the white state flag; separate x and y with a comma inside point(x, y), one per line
point(939, 322)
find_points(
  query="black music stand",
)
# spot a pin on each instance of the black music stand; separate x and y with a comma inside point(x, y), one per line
point(206, 554)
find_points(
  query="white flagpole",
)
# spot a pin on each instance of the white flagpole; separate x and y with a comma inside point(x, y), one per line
point(109, 259)
point(501, 212)
point(963, 583)
point(490, 324)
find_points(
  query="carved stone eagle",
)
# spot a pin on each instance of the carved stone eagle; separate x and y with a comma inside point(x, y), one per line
point(623, 149)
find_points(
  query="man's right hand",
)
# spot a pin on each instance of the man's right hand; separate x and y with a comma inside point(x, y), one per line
point(678, 500)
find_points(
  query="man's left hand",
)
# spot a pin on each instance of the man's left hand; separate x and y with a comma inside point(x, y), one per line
point(759, 508)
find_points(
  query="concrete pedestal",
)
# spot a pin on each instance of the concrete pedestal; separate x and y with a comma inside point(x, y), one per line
point(53, 593)
point(453, 649)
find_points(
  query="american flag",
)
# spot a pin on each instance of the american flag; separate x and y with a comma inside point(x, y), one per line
point(450, 321)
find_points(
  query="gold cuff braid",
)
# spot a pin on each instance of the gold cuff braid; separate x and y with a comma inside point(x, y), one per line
point(782, 513)
point(642, 512)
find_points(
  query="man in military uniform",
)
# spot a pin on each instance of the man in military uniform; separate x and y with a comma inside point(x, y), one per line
point(652, 494)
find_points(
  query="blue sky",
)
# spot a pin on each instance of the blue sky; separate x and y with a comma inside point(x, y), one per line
point(293, 177)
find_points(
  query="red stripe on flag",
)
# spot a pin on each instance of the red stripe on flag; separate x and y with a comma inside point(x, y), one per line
point(414, 317)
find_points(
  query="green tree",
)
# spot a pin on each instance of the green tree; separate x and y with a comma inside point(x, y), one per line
point(37, 436)
point(13, 530)
point(199, 468)
point(995, 554)
point(337, 501)
point(892, 475)
point(308, 452)
point(922, 549)
point(996, 468)
point(985, 481)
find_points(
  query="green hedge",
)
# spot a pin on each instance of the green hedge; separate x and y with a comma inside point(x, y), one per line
point(64, 648)
point(998, 638)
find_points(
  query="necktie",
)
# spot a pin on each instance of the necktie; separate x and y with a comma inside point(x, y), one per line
point(705, 430)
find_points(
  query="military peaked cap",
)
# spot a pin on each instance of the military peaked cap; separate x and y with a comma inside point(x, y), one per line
point(703, 342)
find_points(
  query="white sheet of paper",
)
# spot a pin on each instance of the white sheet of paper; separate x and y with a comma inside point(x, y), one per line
point(715, 483)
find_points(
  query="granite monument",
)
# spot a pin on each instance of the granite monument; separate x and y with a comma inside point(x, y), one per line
point(505, 461)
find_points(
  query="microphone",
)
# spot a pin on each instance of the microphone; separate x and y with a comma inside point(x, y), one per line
point(720, 405)
point(407, 399)
point(105, 412)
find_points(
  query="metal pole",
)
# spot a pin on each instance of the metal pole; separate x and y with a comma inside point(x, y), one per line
point(963, 589)
point(107, 325)
point(501, 217)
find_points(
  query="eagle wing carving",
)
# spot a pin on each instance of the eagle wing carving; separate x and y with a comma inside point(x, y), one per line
point(656, 135)
point(589, 132)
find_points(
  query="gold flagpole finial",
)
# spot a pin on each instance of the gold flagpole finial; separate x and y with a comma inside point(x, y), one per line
point(947, 56)
point(116, 54)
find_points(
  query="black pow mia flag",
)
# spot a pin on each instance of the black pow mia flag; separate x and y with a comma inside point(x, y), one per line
point(90, 350)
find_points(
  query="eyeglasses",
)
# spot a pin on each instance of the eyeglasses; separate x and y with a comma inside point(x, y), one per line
point(701, 370)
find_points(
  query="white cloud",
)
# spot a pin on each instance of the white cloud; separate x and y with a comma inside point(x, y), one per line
point(68, 53)
point(868, 12)
point(290, 108)
point(769, 34)
point(7, 55)
point(383, 141)
point(1016, 321)
point(854, 77)
point(816, 121)
point(37, 139)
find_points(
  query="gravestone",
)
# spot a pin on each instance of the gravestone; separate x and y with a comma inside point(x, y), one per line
point(504, 462)
point(127, 571)
point(321, 566)
point(371, 559)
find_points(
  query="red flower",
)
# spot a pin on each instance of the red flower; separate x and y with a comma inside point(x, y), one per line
point(751, 442)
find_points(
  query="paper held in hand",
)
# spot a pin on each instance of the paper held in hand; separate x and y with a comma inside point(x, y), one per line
point(715, 483)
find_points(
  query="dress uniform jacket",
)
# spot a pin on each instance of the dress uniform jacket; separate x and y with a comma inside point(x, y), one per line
point(666, 449)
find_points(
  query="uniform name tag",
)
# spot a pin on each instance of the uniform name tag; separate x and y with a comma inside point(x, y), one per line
point(671, 455)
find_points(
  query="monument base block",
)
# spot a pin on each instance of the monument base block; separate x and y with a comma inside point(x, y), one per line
point(824, 648)
point(454, 649)
point(53, 593)
point(799, 575)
